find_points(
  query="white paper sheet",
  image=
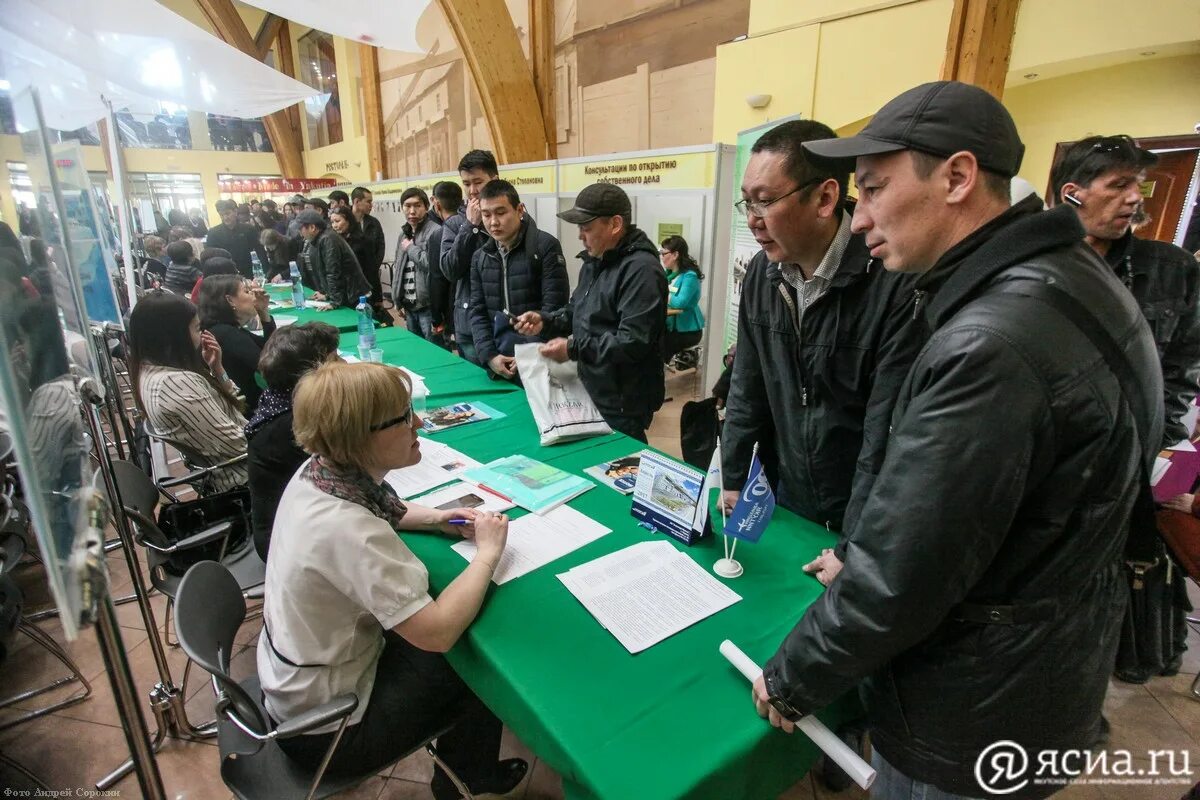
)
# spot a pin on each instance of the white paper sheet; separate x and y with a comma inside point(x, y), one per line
point(1183, 446)
point(646, 593)
point(456, 492)
point(439, 464)
point(1189, 418)
point(1161, 465)
point(535, 540)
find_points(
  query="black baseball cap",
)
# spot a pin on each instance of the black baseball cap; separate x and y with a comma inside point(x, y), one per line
point(939, 118)
point(598, 200)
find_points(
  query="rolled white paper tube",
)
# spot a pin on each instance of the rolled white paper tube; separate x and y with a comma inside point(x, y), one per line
point(829, 743)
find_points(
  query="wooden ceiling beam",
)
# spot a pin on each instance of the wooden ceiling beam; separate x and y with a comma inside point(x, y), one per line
point(285, 140)
point(368, 61)
point(979, 43)
point(430, 61)
point(267, 33)
point(541, 52)
point(493, 56)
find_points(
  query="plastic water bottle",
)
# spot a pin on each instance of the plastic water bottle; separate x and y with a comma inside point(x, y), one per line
point(366, 328)
point(260, 277)
point(297, 286)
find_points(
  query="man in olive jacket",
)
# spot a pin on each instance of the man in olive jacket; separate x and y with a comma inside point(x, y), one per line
point(981, 594)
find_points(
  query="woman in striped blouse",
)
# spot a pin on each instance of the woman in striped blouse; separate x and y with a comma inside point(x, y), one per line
point(180, 384)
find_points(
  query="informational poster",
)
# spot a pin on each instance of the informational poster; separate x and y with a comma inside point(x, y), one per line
point(90, 231)
point(742, 246)
point(666, 229)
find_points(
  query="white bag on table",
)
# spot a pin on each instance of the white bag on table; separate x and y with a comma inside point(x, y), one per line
point(561, 406)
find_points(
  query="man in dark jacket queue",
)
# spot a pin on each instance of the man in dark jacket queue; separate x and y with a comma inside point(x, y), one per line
point(416, 257)
point(1100, 177)
point(826, 336)
point(462, 235)
point(617, 315)
point(362, 203)
point(521, 269)
point(238, 238)
point(981, 594)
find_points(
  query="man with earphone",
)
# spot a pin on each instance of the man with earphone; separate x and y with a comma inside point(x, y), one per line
point(1101, 178)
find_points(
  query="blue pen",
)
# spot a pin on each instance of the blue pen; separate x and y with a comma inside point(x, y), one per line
point(459, 521)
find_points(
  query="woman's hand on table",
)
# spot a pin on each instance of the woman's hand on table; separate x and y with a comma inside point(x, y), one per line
point(466, 531)
point(491, 535)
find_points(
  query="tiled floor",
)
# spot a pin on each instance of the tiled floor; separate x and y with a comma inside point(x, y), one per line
point(73, 748)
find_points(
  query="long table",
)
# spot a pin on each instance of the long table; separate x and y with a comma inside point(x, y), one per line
point(673, 721)
point(344, 319)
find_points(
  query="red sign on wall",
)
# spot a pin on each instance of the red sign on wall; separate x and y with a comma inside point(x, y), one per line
point(276, 185)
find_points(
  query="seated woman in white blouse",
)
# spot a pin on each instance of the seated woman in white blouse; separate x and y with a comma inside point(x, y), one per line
point(179, 383)
point(347, 606)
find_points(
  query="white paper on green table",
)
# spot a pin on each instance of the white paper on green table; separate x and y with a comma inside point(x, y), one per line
point(536, 540)
point(439, 464)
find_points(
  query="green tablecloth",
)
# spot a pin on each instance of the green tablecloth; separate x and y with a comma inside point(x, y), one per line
point(344, 319)
point(673, 721)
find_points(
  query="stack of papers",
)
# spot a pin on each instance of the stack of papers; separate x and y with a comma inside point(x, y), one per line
point(647, 592)
point(530, 484)
point(534, 541)
point(439, 464)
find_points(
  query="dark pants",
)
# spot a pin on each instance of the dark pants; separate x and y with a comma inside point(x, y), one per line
point(416, 693)
point(674, 342)
point(633, 427)
point(419, 321)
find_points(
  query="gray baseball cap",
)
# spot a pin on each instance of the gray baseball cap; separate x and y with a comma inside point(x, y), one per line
point(939, 118)
point(598, 200)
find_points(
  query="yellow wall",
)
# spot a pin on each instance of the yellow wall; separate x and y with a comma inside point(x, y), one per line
point(838, 71)
point(353, 147)
point(1158, 97)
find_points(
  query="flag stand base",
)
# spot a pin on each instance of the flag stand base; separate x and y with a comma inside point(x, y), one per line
point(727, 568)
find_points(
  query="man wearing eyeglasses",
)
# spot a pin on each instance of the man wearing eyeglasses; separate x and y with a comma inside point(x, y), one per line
point(979, 606)
point(1100, 177)
point(825, 337)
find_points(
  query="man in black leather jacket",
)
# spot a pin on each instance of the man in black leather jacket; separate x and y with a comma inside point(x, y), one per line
point(981, 595)
point(1100, 177)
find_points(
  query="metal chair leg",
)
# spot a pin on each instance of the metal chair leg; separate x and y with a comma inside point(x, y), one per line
point(457, 781)
point(46, 641)
point(19, 768)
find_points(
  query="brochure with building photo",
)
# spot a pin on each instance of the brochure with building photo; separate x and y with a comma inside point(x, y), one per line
point(668, 497)
point(446, 417)
point(620, 473)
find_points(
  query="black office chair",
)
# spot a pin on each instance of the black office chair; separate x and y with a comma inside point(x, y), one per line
point(201, 468)
point(13, 620)
point(140, 497)
point(210, 609)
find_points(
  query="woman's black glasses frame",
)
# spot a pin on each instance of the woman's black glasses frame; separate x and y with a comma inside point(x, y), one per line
point(406, 417)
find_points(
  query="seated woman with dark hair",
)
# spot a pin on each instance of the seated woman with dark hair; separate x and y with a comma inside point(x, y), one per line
point(274, 454)
point(182, 272)
point(213, 265)
point(227, 303)
point(346, 607)
point(180, 385)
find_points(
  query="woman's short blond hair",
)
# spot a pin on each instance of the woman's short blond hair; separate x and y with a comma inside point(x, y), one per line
point(335, 406)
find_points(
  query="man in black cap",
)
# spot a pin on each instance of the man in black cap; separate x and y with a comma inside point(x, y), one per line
point(613, 323)
point(1100, 177)
point(981, 596)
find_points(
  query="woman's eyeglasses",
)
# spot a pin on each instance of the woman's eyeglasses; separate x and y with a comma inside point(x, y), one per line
point(406, 418)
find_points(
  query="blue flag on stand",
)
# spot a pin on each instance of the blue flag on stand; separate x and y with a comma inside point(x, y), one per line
point(754, 506)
